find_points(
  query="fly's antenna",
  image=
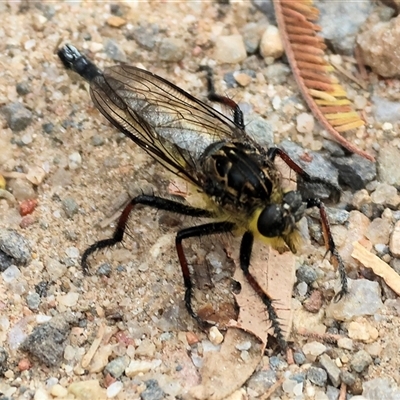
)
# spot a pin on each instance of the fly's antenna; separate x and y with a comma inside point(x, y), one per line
point(74, 60)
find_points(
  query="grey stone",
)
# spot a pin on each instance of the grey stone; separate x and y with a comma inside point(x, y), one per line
point(47, 341)
point(70, 206)
point(318, 168)
point(318, 376)
point(381, 388)
point(171, 49)
point(104, 269)
point(33, 301)
point(364, 298)
point(261, 381)
point(347, 378)
point(145, 35)
point(334, 149)
point(341, 21)
point(15, 246)
point(354, 171)
point(277, 73)
point(114, 51)
point(331, 368)
point(117, 366)
point(18, 117)
point(388, 165)
point(332, 393)
point(360, 361)
point(23, 88)
point(260, 130)
point(97, 140)
point(385, 110)
point(299, 358)
point(277, 363)
point(252, 33)
point(152, 391)
point(306, 274)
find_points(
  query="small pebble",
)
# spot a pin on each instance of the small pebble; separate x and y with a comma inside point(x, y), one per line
point(33, 301)
point(243, 346)
point(22, 189)
point(116, 21)
point(360, 361)
point(145, 35)
point(387, 162)
point(394, 244)
point(17, 116)
point(230, 49)
point(146, 348)
point(345, 343)
point(299, 358)
point(305, 123)
point(136, 367)
point(114, 51)
point(261, 381)
point(312, 350)
point(68, 300)
point(318, 376)
point(10, 274)
point(378, 231)
point(363, 331)
point(152, 391)
point(15, 246)
point(104, 270)
point(277, 363)
point(171, 49)
point(47, 341)
point(215, 336)
point(58, 391)
point(114, 389)
point(364, 299)
point(88, 389)
point(306, 274)
point(347, 378)
point(384, 194)
point(70, 206)
point(117, 366)
point(192, 338)
point(74, 161)
point(331, 368)
point(54, 268)
point(271, 43)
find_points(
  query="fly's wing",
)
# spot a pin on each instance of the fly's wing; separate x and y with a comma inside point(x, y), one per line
point(171, 125)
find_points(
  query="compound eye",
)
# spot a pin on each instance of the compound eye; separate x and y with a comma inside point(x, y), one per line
point(270, 222)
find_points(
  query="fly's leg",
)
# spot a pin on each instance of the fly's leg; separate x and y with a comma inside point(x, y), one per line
point(245, 254)
point(328, 238)
point(196, 231)
point(226, 101)
point(331, 247)
point(150, 201)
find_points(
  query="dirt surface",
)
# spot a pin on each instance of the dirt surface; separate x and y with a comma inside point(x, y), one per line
point(84, 171)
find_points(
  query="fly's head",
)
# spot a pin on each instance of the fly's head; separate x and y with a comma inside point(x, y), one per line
point(277, 222)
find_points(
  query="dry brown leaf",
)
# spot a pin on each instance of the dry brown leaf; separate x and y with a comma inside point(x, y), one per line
point(379, 267)
point(275, 273)
point(225, 371)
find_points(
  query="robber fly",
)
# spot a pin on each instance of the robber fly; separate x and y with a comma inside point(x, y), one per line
point(236, 175)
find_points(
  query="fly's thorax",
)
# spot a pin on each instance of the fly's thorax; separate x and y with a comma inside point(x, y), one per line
point(236, 176)
point(276, 222)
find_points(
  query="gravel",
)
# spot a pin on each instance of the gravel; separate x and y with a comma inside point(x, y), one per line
point(123, 330)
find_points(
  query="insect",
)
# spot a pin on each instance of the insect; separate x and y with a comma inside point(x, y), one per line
point(236, 175)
